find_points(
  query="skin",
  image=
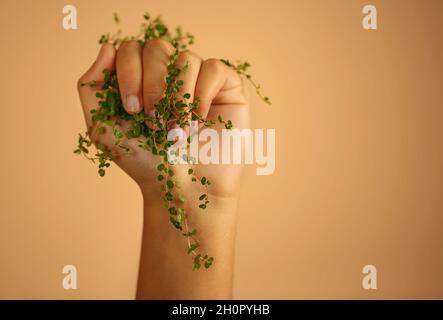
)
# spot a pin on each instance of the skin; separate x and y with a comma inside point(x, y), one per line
point(165, 270)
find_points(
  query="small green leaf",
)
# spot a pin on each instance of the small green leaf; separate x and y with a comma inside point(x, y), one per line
point(197, 263)
point(193, 247)
point(162, 29)
point(169, 196)
point(208, 262)
point(191, 233)
point(116, 18)
point(118, 134)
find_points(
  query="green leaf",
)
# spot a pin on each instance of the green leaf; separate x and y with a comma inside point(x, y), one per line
point(191, 233)
point(116, 18)
point(203, 196)
point(83, 149)
point(139, 117)
point(162, 29)
point(180, 104)
point(118, 134)
point(208, 262)
point(169, 196)
point(197, 263)
point(110, 122)
point(193, 247)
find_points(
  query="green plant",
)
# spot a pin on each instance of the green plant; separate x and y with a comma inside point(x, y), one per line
point(152, 131)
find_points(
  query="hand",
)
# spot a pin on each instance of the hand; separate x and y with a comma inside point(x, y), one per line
point(165, 268)
point(141, 74)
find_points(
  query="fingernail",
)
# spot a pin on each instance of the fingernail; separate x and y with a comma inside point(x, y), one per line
point(132, 103)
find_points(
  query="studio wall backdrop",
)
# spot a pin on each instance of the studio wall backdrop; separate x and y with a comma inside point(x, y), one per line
point(359, 155)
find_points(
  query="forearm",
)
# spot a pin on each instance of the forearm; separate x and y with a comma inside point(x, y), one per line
point(166, 268)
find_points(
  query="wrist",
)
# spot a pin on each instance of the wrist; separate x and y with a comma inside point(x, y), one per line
point(164, 250)
point(226, 204)
point(218, 210)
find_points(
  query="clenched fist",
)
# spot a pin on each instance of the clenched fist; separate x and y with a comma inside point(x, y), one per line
point(141, 72)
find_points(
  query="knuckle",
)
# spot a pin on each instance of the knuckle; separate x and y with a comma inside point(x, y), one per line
point(189, 56)
point(152, 91)
point(190, 59)
point(214, 65)
point(129, 44)
point(159, 44)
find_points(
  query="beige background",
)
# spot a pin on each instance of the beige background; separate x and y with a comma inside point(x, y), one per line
point(359, 174)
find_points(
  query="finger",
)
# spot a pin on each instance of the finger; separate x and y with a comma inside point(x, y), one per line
point(156, 56)
point(214, 77)
point(104, 61)
point(191, 62)
point(95, 74)
point(129, 75)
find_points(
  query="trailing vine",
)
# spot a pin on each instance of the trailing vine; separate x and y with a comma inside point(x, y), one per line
point(151, 131)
